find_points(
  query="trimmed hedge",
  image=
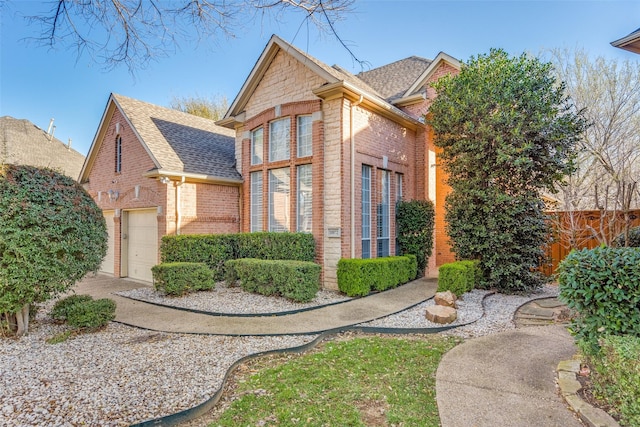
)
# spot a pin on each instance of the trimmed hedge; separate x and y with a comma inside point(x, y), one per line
point(83, 312)
point(216, 249)
point(459, 277)
point(296, 280)
point(603, 286)
point(180, 278)
point(358, 277)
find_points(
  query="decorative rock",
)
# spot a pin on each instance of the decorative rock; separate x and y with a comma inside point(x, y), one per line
point(447, 299)
point(441, 314)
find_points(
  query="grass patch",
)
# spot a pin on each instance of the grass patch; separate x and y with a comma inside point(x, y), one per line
point(362, 381)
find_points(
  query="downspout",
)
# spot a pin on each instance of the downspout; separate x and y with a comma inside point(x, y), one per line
point(353, 177)
point(178, 184)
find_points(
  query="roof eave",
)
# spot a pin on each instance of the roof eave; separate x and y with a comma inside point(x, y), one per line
point(410, 100)
point(630, 42)
point(424, 77)
point(191, 177)
point(346, 90)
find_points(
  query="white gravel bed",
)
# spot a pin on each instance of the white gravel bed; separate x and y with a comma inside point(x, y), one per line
point(226, 299)
point(122, 375)
point(498, 313)
point(469, 309)
point(117, 376)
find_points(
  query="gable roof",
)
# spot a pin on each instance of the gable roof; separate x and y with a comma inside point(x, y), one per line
point(337, 81)
point(22, 142)
point(180, 144)
point(630, 42)
point(393, 80)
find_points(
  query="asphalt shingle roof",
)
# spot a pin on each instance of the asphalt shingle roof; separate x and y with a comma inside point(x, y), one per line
point(22, 142)
point(393, 80)
point(182, 142)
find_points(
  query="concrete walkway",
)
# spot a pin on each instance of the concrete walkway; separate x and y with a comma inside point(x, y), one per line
point(506, 379)
point(328, 318)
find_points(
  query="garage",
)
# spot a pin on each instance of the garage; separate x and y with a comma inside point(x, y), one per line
point(109, 259)
point(141, 242)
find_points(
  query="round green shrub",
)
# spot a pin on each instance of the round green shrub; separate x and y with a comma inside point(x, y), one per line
point(52, 233)
point(92, 315)
point(62, 307)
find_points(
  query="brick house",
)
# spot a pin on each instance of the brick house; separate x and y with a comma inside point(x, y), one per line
point(324, 151)
point(156, 171)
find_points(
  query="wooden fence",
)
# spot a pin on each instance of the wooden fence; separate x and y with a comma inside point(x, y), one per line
point(583, 229)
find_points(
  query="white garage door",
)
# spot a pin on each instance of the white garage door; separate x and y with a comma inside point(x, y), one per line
point(108, 261)
point(142, 242)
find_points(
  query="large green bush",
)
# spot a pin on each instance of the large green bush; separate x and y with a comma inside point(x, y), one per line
point(603, 286)
point(295, 280)
point(507, 132)
point(616, 376)
point(216, 249)
point(358, 277)
point(51, 234)
point(180, 278)
point(458, 277)
point(415, 221)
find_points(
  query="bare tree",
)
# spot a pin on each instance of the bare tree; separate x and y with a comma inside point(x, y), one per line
point(608, 163)
point(133, 32)
point(210, 108)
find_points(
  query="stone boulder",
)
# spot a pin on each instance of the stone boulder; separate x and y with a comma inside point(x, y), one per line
point(447, 299)
point(441, 314)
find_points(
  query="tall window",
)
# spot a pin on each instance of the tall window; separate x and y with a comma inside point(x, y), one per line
point(304, 136)
point(256, 201)
point(279, 201)
point(279, 135)
point(304, 198)
point(366, 211)
point(256, 147)
point(118, 154)
point(383, 215)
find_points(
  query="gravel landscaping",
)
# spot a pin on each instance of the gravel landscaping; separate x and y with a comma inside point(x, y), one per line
point(122, 375)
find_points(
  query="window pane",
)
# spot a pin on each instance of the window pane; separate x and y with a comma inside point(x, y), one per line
point(383, 216)
point(279, 199)
point(279, 134)
point(366, 211)
point(256, 201)
point(256, 147)
point(398, 187)
point(304, 136)
point(118, 154)
point(305, 210)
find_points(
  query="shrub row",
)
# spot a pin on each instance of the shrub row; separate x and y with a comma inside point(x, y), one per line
point(616, 376)
point(296, 280)
point(603, 286)
point(180, 278)
point(82, 311)
point(459, 277)
point(216, 249)
point(358, 277)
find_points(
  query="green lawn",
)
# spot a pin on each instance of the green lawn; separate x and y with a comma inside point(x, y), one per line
point(363, 381)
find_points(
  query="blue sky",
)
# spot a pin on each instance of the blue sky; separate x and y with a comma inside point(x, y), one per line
point(38, 83)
